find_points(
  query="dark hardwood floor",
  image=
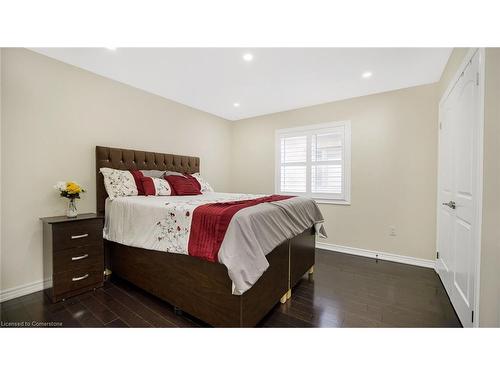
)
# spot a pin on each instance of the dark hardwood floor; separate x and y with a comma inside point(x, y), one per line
point(345, 291)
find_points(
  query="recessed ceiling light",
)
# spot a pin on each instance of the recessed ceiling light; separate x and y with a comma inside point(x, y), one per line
point(248, 57)
point(236, 105)
point(367, 74)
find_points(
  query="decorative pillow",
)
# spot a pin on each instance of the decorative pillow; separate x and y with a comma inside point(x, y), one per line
point(183, 185)
point(155, 186)
point(172, 173)
point(152, 173)
point(138, 175)
point(204, 185)
point(194, 181)
point(118, 183)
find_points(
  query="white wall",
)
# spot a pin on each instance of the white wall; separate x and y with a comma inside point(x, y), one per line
point(1, 199)
point(453, 64)
point(489, 303)
point(53, 116)
point(394, 167)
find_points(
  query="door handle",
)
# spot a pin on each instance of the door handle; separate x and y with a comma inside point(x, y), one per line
point(450, 204)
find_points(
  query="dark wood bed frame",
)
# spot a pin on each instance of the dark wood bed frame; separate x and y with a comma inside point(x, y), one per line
point(196, 286)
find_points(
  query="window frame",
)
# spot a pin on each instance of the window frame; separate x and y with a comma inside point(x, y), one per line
point(309, 130)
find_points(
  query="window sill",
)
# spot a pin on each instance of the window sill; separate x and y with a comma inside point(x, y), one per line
point(333, 201)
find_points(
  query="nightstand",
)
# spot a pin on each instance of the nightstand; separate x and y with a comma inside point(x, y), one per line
point(73, 254)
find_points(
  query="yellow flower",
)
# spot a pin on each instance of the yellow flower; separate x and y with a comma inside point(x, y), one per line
point(73, 188)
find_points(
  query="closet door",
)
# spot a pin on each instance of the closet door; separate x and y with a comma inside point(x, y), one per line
point(459, 173)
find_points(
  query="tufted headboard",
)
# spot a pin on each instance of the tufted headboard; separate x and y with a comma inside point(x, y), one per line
point(119, 158)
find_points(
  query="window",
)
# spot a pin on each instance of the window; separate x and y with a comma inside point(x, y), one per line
point(315, 161)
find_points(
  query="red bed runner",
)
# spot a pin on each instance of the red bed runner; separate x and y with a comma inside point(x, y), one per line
point(210, 222)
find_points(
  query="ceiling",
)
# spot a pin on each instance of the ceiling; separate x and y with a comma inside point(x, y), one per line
point(276, 79)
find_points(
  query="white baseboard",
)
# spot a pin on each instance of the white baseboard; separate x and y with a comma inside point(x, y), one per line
point(25, 289)
point(378, 255)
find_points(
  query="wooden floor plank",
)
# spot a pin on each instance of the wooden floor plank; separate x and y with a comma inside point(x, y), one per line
point(100, 311)
point(127, 315)
point(83, 315)
point(161, 307)
point(117, 323)
point(345, 291)
point(149, 315)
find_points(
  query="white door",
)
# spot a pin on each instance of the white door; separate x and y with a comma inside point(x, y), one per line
point(458, 191)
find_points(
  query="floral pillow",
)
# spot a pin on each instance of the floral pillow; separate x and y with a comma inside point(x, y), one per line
point(118, 183)
point(204, 185)
point(156, 186)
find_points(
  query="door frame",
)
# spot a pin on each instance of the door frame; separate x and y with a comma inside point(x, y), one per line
point(478, 214)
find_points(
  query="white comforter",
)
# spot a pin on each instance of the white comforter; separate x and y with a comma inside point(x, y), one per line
point(163, 223)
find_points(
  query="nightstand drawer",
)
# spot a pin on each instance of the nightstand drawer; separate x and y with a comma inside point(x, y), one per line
point(85, 257)
point(68, 281)
point(76, 234)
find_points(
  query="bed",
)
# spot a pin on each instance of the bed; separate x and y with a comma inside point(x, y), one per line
point(199, 287)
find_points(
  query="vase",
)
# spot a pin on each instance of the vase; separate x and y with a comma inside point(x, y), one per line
point(71, 211)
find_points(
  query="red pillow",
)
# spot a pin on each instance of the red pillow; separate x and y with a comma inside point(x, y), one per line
point(194, 181)
point(183, 185)
point(156, 186)
point(137, 178)
point(148, 186)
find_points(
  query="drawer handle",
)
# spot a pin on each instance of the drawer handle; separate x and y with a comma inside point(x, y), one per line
point(80, 278)
point(80, 257)
point(79, 236)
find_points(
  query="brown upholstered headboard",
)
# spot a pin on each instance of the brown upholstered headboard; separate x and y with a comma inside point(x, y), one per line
point(119, 158)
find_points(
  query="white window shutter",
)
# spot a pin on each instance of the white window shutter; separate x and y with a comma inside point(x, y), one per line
point(293, 164)
point(314, 161)
point(326, 165)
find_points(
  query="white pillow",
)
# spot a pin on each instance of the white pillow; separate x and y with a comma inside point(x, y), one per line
point(172, 173)
point(118, 183)
point(205, 186)
point(152, 173)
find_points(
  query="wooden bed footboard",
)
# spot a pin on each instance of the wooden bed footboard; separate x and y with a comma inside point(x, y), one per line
point(203, 289)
